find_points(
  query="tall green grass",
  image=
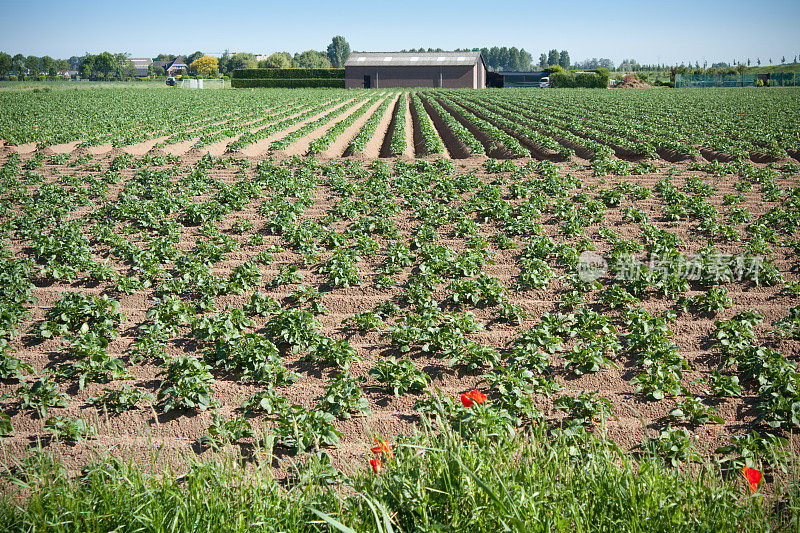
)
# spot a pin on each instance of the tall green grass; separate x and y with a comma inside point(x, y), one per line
point(439, 480)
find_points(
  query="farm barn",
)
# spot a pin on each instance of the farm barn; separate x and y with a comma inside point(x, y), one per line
point(382, 70)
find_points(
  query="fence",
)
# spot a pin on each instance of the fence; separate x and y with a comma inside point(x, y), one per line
point(773, 79)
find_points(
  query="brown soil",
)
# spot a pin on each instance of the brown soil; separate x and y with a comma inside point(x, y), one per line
point(339, 146)
point(100, 149)
point(420, 150)
point(139, 149)
point(374, 147)
point(261, 147)
point(630, 81)
point(23, 149)
point(455, 146)
point(134, 433)
point(409, 153)
point(300, 147)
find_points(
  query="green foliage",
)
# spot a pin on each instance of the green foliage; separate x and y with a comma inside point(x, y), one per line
point(585, 408)
point(290, 83)
point(332, 351)
point(122, 399)
point(68, 428)
point(301, 430)
point(399, 376)
point(186, 385)
point(288, 73)
point(674, 445)
point(296, 328)
point(222, 432)
point(41, 396)
point(78, 312)
point(343, 396)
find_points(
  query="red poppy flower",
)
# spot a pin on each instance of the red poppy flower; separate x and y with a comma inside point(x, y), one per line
point(383, 446)
point(376, 464)
point(473, 396)
point(752, 476)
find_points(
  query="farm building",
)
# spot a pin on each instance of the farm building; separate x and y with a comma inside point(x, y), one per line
point(521, 79)
point(382, 70)
point(141, 66)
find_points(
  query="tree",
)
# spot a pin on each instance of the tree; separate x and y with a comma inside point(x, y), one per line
point(525, 60)
point(552, 57)
point(104, 63)
point(242, 60)
point(49, 66)
point(224, 60)
point(62, 65)
point(748, 61)
point(543, 61)
point(563, 59)
point(86, 66)
point(5, 65)
point(758, 61)
point(166, 57)
point(783, 59)
point(277, 60)
point(513, 59)
point(18, 65)
point(205, 66)
point(123, 66)
point(311, 59)
point(32, 63)
point(191, 58)
point(338, 51)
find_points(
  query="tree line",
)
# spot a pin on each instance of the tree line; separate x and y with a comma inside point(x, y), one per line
point(107, 65)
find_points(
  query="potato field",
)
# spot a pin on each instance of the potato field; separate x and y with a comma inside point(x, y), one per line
point(292, 276)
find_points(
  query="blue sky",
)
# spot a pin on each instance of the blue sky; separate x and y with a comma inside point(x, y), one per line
point(648, 31)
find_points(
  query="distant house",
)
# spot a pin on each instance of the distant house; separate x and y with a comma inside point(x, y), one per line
point(141, 66)
point(177, 67)
point(170, 68)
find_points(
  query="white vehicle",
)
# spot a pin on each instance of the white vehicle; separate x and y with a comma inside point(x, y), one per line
point(544, 82)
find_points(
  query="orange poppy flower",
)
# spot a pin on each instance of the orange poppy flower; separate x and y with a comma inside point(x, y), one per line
point(376, 464)
point(473, 396)
point(383, 446)
point(752, 476)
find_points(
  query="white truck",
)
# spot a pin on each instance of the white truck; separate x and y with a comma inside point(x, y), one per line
point(544, 82)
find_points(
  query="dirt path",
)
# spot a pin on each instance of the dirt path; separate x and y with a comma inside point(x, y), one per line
point(143, 147)
point(22, 149)
point(343, 141)
point(373, 148)
point(261, 147)
point(100, 149)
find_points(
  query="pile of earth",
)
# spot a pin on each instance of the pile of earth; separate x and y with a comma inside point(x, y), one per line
point(630, 81)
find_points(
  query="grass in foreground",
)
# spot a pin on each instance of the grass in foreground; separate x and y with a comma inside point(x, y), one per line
point(474, 476)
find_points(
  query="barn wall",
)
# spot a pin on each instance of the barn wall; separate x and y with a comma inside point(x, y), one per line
point(453, 77)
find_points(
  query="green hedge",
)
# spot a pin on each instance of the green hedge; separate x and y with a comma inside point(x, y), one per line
point(597, 78)
point(288, 73)
point(290, 83)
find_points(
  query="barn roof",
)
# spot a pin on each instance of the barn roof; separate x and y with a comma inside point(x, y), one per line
point(411, 59)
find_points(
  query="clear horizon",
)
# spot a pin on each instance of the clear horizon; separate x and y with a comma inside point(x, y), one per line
point(649, 32)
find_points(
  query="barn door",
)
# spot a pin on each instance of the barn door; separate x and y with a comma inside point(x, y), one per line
point(367, 82)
